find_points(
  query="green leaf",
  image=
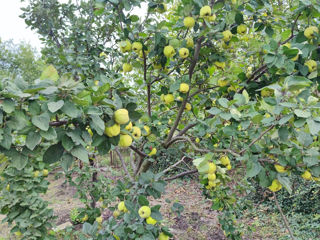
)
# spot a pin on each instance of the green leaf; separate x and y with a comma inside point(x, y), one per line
point(53, 153)
point(8, 105)
point(283, 134)
point(76, 136)
point(296, 82)
point(32, 140)
point(41, 121)
point(143, 201)
point(238, 18)
point(6, 141)
point(80, 153)
point(223, 102)
point(314, 126)
point(19, 160)
point(50, 73)
point(50, 134)
point(302, 113)
point(70, 109)
point(214, 111)
point(253, 168)
point(66, 161)
point(304, 138)
point(34, 108)
point(285, 182)
point(55, 106)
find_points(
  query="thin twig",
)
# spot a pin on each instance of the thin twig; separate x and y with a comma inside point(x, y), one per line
point(216, 150)
point(141, 154)
point(257, 139)
point(181, 175)
point(133, 165)
point(283, 216)
point(174, 165)
point(57, 123)
point(123, 164)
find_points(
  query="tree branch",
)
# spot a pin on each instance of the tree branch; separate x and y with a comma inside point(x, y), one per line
point(186, 128)
point(172, 166)
point(57, 123)
point(257, 139)
point(176, 122)
point(292, 29)
point(181, 175)
point(201, 90)
point(195, 57)
point(217, 150)
point(123, 164)
point(140, 153)
point(286, 223)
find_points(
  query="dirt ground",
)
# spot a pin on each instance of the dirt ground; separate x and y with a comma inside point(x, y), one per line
point(196, 222)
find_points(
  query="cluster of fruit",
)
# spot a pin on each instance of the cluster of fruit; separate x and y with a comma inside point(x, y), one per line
point(276, 185)
point(144, 212)
point(211, 173)
point(121, 117)
point(169, 98)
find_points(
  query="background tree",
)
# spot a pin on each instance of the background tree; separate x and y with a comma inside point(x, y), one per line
point(19, 60)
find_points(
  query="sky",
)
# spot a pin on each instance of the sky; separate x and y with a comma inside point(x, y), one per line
point(13, 27)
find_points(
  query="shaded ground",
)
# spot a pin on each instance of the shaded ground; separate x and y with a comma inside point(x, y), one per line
point(196, 222)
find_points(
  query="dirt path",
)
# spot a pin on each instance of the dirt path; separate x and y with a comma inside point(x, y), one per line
point(197, 221)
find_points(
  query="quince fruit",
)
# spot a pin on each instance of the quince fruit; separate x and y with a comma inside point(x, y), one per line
point(280, 168)
point(136, 132)
point(121, 116)
point(212, 176)
point(169, 98)
point(153, 152)
point(227, 35)
point(190, 43)
point(188, 107)
point(36, 174)
point(151, 221)
point(222, 82)
point(312, 65)
point(212, 168)
point(45, 172)
point(144, 212)
point(189, 22)
point(147, 129)
point(136, 47)
point(162, 236)
point(125, 140)
point(126, 67)
point(242, 29)
point(225, 160)
point(205, 11)
point(306, 175)
point(183, 52)
point(112, 131)
point(169, 51)
point(125, 46)
point(122, 207)
point(99, 220)
point(275, 186)
point(310, 31)
point(184, 88)
point(129, 126)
